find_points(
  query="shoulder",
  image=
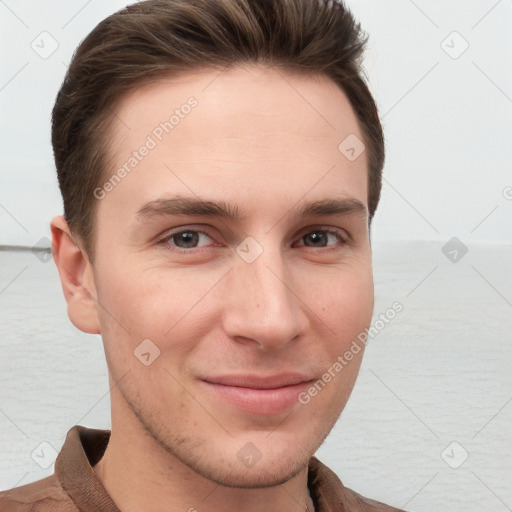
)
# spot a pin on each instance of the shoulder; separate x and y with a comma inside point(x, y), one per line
point(368, 505)
point(331, 494)
point(43, 495)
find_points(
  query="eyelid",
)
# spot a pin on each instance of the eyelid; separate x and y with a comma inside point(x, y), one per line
point(323, 227)
point(341, 233)
point(344, 238)
point(163, 239)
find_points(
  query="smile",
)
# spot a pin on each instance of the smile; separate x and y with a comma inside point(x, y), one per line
point(259, 395)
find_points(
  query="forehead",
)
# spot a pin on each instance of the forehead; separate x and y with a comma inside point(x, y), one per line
point(241, 130)
point(313, 102)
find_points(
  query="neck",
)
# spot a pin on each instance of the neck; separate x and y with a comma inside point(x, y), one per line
point(139, 474)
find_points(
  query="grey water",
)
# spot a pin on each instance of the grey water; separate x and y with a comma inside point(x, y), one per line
point(428, 425)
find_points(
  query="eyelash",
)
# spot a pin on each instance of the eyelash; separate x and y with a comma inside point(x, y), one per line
point(164, 241)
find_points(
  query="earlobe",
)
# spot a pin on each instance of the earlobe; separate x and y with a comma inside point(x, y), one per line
point(76, 276)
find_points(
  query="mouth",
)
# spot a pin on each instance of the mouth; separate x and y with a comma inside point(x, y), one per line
point(261, 395)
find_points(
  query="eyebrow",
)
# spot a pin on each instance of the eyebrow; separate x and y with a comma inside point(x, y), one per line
point(181, 205)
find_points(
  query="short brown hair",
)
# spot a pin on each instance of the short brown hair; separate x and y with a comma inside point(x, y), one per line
point(154, 38)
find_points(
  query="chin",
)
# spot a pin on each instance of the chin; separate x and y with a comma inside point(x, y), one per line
point(261, 475)
point(243, 461)
point(245, 458)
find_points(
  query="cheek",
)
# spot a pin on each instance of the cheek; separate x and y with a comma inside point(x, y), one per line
point(345, 306)
point(346, 310)
point(142, 301)
point(164, 305)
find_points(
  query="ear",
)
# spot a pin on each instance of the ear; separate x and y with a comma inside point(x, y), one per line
point(76, 276)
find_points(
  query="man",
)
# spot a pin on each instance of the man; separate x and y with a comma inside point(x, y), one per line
point(220, 163)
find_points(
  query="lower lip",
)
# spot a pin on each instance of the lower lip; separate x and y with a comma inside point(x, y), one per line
point(259, 401)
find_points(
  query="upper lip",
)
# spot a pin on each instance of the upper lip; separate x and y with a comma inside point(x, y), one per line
point(259, 381)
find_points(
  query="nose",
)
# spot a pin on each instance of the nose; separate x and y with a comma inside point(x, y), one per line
point(261, 305)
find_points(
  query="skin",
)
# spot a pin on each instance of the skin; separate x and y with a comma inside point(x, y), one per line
point(267, 141)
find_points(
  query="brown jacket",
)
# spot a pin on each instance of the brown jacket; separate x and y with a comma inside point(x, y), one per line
point(74, 486)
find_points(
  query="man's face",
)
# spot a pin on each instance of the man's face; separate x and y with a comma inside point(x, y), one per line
point(248, 312)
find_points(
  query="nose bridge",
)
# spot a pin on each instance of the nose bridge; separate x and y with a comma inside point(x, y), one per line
point(263, 308)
